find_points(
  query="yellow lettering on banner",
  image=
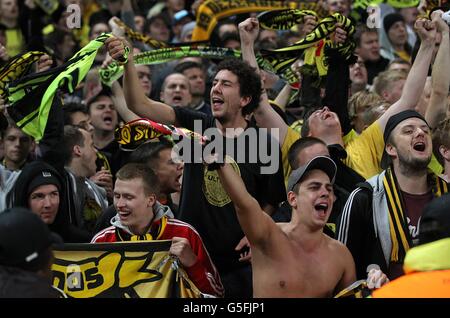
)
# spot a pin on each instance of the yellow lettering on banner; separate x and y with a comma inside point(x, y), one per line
point(141, 132)
point(125, 135)
point(203, 20)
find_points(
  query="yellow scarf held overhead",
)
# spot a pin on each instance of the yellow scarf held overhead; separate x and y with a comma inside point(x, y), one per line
point(283, 19)
point(211, 11)
point(136, 36)
point(311, 45)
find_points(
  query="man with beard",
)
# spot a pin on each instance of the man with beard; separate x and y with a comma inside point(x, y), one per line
point(379, 223)
point(363, 152)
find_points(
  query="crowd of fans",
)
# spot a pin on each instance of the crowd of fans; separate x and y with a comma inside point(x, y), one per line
point(363, 152)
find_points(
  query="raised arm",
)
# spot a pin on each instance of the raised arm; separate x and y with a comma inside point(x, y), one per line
point(121, 104)
point(437, 107)
point(255, 223)
point(265, 115)
point(338, 81)
point(283, 96)
point(134, 95)
point(416, 78)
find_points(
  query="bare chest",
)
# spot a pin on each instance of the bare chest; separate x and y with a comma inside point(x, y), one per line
point(297, 275)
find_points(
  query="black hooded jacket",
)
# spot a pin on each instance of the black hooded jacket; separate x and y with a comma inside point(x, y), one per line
point(18, 197)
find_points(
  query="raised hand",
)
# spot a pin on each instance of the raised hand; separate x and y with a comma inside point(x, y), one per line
point(3, 53)
point(426, 30)
point(309, 23)
point(249, 30)
point(116, 48)
point(441, 25)
point(339, 36)
point(44, 63)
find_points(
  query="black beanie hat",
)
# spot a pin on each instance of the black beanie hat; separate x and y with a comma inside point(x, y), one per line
point(42, 178)
point(393, 121)
point(390, 19)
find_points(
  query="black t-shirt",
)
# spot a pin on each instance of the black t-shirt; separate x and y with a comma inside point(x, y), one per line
point(204, 203)
point(414, 205)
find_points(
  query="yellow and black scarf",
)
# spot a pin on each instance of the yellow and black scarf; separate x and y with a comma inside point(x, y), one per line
point(400, 237)
point(30, 97)
point(282, 58)
point(137, 36)
point(155, 232)
point(17, 67)
point(211, 11)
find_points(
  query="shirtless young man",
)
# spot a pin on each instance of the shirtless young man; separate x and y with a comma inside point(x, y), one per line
point(294, 259)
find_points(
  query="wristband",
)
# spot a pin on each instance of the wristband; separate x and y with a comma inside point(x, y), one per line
point(124, 58)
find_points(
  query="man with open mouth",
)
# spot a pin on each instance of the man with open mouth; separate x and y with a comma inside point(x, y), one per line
point(140, 217)
point(294, 259)
point(380, 221)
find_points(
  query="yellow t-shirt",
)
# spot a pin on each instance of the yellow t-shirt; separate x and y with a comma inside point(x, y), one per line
point(403, 55)
point(435, 166)
point(364, 151)
point(291, 137)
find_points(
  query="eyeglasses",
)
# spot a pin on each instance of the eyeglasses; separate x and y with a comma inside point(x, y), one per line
point(359, 63)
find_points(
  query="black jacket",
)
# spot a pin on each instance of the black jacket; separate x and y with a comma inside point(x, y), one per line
point(62, 224)
point(19, 283)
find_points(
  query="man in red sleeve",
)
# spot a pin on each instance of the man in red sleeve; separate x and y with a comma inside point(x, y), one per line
point(141, 217)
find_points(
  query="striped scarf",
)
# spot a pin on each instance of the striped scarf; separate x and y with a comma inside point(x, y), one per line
point(400, 237)
point(31, 97)
point(155, 232)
